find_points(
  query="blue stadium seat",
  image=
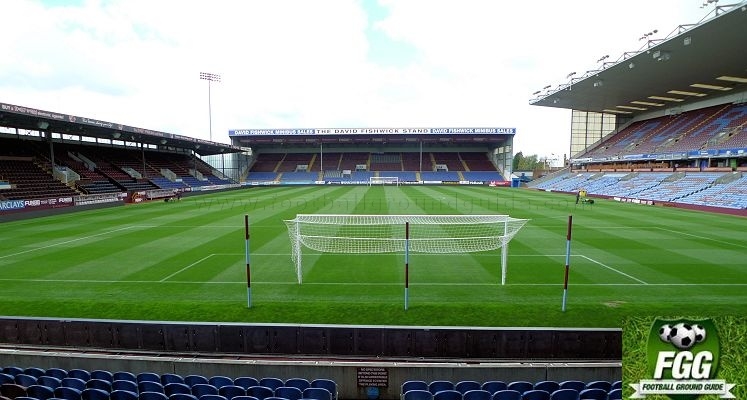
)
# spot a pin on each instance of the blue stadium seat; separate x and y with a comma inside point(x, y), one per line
point(121, 384)
point(102, 374)
point(520, 386)
point(477, 394)
point(124, 376)
point(219, 381)
point(231, 391)
point(192, 380)
point(615, 394)
point(437, 386)
point(94, 394)
point(211, 397)
point(6, 378)
point(535, 394)
point(150, 386)
point(72, 382)
point(245, 398)
point(122, 395)
point(616, 385)
point(171, 378)
point(58, 373)
point(317, 394)
point(36, 372)
point(448, 394)
point(465, 386)
point(328, 384)
point(176, 388)
point(67, 392)
point(417, 394)
point(12, 370)
point(564, 394)
point(25, 380)
point(81, 374)
point(413, 385)
point(201, 389)
point(48, 381)
point(246, 381)
point(572, 384)
point(40, 392)
point(152, 396)
point(260, 392)
point(507, 394)
point(300, 383)
point(148, 377)
point(182, 396)
point(289, 392)
point(99, 384)
point(604, 385)
point(272, 383)
point(547, 386)
point(592, 394)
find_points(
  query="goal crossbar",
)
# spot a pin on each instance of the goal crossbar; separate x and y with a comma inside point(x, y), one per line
point(371, 234)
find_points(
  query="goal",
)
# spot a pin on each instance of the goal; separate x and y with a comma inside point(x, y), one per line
point(370, 234)
point(383, 180)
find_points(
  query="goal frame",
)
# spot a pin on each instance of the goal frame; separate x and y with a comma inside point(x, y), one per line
point(505, 228)
point(383, 180)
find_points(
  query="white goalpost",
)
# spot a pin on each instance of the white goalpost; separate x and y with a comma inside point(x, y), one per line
point(383, 180)
point(371, 234)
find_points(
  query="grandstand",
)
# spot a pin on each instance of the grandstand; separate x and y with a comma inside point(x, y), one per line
point(679, 138)
point(413, 155)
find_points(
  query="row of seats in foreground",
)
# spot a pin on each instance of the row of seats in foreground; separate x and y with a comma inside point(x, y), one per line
point(516, 390)
point(54, 383)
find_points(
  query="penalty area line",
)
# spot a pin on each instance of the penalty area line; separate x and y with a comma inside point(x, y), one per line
point(613, 269)
point(186, 268)
point(65, 242)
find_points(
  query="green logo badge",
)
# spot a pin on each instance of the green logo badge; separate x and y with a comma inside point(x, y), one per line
point(683, 358)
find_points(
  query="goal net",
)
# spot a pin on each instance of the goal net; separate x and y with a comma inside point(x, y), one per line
point(383, 180)
point(370, 234)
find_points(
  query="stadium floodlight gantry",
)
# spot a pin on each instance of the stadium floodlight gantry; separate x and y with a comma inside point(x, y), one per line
point(383, 180)
point(371, 234)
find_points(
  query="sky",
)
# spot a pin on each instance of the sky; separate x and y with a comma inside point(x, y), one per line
point(320, 63)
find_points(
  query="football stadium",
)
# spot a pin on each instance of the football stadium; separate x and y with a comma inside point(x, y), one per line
point(406, 263)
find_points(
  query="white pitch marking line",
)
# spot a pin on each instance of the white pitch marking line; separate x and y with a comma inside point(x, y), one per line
point(613, 269)
point(288, 283)
point(65, 242)
point(701, 237)
point(187, 267)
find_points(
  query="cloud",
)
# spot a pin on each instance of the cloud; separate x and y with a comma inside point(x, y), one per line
point(329, 63)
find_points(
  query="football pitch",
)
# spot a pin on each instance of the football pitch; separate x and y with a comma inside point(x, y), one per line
point(185, 261)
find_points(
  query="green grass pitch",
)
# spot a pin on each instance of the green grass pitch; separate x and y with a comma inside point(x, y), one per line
point(185, 261)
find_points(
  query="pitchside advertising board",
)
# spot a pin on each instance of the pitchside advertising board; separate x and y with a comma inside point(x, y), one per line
point(685, 358)
point(372, 131)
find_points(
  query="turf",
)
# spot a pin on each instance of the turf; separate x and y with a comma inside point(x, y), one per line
point(185, 261)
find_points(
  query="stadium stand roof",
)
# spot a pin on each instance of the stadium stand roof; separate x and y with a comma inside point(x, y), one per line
point(353, 137)
point(694, 62)
point(21, 117)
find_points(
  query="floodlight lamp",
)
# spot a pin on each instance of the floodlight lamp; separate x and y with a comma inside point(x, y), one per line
point(631, 65)
point(116, 135)
point(598, 83)
point(43, 125)
point(536, 93)
point(163, 141)
point(547, 87)
point(571, 74)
